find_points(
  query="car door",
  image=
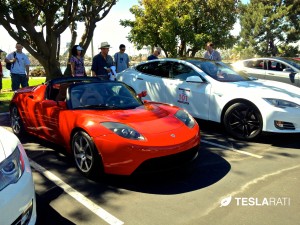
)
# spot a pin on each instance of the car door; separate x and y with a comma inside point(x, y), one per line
point(282, 72)
point(254, 68)
point(30, 110)
point(192, 96)
point(151, 77)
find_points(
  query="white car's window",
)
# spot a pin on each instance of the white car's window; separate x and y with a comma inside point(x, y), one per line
point(275, 65)
point(219, 71)
point(254, 64)
point(161, 69)
point(294, 63)
point(181, 71)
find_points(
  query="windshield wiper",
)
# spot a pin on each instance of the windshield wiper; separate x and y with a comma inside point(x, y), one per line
point(98, 106)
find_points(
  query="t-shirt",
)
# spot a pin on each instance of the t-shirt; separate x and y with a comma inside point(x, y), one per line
point(79, 65)
point(99, 63)
point(122, 61)
point(151, 57)
point(19, 67)
point(215, 55)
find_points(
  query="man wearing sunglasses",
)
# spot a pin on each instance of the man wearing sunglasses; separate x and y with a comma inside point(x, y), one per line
point(121, 59)
point(155, 54)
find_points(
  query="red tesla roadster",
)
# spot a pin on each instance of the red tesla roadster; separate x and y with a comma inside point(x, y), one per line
point(105, 125)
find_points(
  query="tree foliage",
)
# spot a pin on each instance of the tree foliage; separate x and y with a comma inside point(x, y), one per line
point(269, 25)
point(182, 26)
point(38, 25)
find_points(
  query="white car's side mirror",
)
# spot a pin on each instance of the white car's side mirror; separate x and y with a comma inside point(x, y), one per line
point(194, 79)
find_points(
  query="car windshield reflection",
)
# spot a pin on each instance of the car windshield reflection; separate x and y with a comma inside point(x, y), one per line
point(103, 95)
point(220, 71)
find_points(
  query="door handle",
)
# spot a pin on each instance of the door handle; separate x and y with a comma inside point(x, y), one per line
point(30, 96)
point(140, 78)
point(270, 73)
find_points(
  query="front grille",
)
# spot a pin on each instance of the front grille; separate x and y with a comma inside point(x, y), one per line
point(168, 162)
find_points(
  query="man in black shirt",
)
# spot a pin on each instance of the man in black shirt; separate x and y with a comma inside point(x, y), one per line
point(102, 62)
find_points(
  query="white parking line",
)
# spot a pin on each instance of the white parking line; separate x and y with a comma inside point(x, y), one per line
point(110, 219)
point(232, 149)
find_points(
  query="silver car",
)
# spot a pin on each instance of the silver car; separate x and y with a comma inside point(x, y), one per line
point(278, 69)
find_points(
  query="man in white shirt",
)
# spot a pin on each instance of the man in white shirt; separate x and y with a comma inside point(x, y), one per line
point(211, 53)
point(19, 67)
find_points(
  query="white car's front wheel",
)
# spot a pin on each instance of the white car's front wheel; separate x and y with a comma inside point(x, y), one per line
point(243, 121)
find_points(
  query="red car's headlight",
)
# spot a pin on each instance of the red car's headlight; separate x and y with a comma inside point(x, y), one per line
point(123, 130)
point(11, 169)
point(186, 118)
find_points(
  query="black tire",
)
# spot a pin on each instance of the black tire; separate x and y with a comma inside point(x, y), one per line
point(17, 125)
point(86, 156)
point(243, 121)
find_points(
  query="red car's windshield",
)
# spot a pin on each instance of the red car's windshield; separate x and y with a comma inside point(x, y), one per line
point(106, 95)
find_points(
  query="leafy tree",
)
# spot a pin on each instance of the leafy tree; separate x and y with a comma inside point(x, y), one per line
point(268, 23)
point(182, 26)
point(37, 25)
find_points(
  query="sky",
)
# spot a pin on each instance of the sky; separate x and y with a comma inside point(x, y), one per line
point(108, 29)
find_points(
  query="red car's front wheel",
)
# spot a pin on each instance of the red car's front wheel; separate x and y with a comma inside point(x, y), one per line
point(86, 156)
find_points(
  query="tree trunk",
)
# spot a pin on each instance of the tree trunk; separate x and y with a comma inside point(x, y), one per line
point(52, 68)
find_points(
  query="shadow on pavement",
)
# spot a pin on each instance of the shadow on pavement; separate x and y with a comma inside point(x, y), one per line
point(206, 170)
point(45, 213)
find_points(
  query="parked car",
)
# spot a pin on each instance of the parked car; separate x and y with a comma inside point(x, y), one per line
point(213, 91)
point(17, 194)
point(285, 70)
point(106, 126)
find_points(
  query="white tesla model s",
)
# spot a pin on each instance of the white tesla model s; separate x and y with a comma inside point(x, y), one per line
point(17, 195)
point(211, 90)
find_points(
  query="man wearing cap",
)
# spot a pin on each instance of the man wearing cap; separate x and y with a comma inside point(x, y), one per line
point(19, 68)
point(102, 62)
point(121, 59)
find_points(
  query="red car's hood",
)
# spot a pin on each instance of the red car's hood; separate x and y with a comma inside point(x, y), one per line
point(147, 118)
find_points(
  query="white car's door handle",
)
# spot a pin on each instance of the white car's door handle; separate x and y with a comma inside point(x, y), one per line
point(270, 73)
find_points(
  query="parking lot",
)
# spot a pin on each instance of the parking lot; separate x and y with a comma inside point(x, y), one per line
point(231, 182)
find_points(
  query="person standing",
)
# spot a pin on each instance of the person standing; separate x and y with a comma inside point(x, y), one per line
point(1, 72)
point(211, 53)
point(77, 62)
point(102, 62)
point(121, 59)
point(155, 54)
point(19, 69)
